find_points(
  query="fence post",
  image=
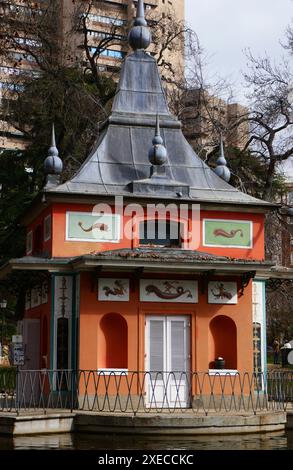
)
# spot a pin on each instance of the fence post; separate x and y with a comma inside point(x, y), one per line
point(72, 381)
point(17, 391)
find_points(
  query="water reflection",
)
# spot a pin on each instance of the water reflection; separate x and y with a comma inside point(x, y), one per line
point(269, 441)
point(42, 441)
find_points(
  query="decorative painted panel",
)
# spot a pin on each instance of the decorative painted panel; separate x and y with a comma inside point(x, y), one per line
point(114, 290)
point(63, 296)
point(157, 290)
point(222, 292)
point(47, 228)
point(62, 330)
point(29, 243)
point(36, 297)
point(28, 296)
point(259, 322)
point(45, 292)
point(88, 227)
point(227, 233)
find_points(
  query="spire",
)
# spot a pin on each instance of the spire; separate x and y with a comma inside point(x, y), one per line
point(221, 169)
point(139, 36)
point(53, 164)
point(53, 151)
point(158, 153)
point(140, 18)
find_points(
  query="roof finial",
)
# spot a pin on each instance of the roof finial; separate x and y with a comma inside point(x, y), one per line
point(140, 18)
point(53, 164)
point(139, 36)
point(221, 169)
point(53, 151)
point(158, 153)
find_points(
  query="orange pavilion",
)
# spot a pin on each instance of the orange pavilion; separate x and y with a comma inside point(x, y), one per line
point(149, 260)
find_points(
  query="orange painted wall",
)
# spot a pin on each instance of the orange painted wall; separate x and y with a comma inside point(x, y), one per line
point(92, 311)
point(113, 342)
point(43, 313)
point(223, 341)
point(63, 248)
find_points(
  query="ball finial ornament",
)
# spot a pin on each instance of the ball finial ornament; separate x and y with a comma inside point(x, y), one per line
point(139, 36)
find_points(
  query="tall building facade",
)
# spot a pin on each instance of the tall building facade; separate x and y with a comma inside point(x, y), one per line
point(204, 116)
point(286, 236)
point(107, 23)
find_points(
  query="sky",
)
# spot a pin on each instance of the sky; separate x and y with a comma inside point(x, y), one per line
point(227, 27)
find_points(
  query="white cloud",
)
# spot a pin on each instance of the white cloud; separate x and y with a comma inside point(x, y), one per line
point(227, 27)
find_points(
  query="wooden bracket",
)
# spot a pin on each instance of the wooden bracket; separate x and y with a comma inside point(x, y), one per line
point(205, 277)
point(135, 276)
point(245, 280)
point(95, 277)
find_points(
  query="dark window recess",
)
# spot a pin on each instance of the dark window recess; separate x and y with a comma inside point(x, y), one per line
point(160, 233)
point(38, 241)
point(62, 352)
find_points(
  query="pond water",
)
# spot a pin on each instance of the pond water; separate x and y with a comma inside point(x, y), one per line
point(269, 441)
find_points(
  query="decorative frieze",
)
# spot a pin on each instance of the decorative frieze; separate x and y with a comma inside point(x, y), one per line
point(157, 290)
point(116, 290)
point(88, 227)
point(220, 292)
point(36, 296)
point(227, 233)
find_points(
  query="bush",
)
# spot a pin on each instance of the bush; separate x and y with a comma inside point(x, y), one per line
point(7, 379)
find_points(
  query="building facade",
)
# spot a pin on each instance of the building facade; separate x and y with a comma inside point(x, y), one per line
point(285, 170)
point(104, 19)
point(206, 116)
point(148, 262)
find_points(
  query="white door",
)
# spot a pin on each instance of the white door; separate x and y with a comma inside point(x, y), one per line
point(167, 361)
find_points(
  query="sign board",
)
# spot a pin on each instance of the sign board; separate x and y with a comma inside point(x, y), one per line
point(17, 354)
point(17, 338)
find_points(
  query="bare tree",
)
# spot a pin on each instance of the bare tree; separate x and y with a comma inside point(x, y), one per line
point(270, 114)
point(29, 33)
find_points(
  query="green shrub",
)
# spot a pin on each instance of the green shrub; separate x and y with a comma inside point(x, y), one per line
point(7, 379)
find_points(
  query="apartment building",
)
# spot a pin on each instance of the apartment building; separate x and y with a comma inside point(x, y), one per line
point(104, 19)
point(285, 169)
point(205, 115)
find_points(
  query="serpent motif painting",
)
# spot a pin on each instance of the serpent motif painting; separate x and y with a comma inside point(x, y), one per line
point(219, 232)
point(82, 226)
point(99, 226)
point(157, 290)
point(229, 233)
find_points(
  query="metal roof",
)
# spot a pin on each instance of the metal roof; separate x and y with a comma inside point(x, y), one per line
point(120, 156)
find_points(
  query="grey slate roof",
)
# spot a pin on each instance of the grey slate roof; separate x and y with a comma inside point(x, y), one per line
point(140, 88)
point(120, 156)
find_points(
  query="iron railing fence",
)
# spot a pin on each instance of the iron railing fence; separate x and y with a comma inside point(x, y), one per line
point(147, 392)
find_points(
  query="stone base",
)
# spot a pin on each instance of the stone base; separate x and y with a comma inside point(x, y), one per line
point(179, 423)
point(13, 425)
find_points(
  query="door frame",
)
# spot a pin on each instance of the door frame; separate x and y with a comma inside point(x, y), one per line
point(168, 318)
point(26, 339)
